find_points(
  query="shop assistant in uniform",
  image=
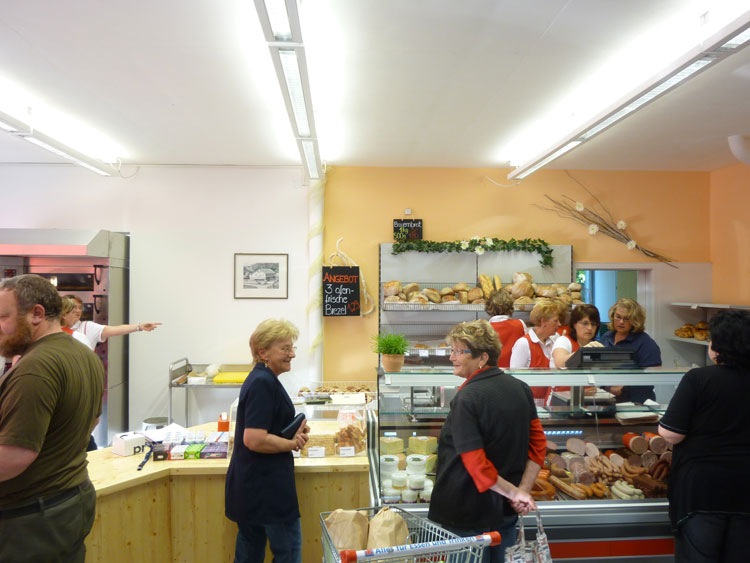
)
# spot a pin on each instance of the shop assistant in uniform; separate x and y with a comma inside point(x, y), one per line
point(260, 491)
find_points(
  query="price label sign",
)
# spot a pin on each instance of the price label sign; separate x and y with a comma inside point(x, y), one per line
point(316, 451)
point(407, 229)
point(346, 451)
point(341, 291)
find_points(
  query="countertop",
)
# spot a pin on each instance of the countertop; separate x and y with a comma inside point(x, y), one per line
point(111, 473)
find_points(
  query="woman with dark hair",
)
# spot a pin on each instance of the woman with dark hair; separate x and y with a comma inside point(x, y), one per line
point(499, 307)
point(484, 472)
point(627, 329)
point(709, 424)
point(583, 325)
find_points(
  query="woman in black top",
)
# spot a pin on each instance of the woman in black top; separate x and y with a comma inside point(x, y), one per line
point(484, 473)
point(260, 491)
point(709, 423)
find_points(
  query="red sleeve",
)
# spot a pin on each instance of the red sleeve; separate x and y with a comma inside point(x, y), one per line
point(481, 469)
point(537, 442)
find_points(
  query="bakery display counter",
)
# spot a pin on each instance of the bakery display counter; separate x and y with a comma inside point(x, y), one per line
point(586, 435)
point(174, 510)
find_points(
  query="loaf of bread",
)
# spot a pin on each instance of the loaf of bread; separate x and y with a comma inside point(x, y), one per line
point(574, 287)
point(450, 299)
point(418, 298)
point(498, 283)
point(486, 284)
point(525, 300)
point(475, 293)
point(522, 276)
point(703, 325)
point(393, 299)
point(463, 296)
point(521, 289)
point(546, 291)
point(575, 295)
point(392, 287)
point(461, 286)
point(446, 291)
point(480, 301)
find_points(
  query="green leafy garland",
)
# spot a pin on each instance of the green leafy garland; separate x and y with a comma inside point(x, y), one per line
point(479, 245)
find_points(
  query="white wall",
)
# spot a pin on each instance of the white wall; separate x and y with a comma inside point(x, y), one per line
point(185, 223)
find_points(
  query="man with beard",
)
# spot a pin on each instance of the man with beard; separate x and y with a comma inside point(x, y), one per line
point(50, 401)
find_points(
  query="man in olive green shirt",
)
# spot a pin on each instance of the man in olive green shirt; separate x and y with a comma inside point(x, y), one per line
point(50, 401)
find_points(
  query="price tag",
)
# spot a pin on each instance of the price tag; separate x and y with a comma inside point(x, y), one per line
point(440, 352)
point(590, 377)
point(316, 451)
point(424, 353)
point(346, 451)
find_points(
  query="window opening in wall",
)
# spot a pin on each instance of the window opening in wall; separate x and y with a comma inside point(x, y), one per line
point(602, 288)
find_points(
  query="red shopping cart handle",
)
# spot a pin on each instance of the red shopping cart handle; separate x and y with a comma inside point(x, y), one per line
point(454, 544)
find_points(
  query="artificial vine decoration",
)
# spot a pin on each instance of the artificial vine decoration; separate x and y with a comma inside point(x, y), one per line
point(479, 245)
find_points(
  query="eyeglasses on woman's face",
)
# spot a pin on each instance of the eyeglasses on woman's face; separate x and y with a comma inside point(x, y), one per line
point(459, 352)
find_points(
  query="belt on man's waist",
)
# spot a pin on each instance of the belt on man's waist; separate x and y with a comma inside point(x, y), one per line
point(40, 503)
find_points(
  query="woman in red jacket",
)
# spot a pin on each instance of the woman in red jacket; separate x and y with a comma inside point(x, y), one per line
point(499, 307)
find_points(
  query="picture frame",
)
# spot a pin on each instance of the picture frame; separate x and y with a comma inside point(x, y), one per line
point(261, 276)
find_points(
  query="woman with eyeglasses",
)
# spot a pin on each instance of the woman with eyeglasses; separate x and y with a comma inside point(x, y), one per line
point(260, 493)
point(582, 328)
point(627, 330)
point(484, 470)
point(708, 422)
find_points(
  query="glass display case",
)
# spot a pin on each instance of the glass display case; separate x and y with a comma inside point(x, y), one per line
point(582, 415)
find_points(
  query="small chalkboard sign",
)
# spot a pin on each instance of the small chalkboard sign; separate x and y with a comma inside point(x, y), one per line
point(341, 291)
point(407, 229)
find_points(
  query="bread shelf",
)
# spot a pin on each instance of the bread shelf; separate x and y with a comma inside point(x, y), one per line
point(688, 340)
point(444, 307)
point(710, 306)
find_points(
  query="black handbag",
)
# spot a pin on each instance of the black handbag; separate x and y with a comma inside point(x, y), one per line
point(290, 429)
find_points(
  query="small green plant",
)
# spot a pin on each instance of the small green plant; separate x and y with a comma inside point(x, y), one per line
point(390, 343)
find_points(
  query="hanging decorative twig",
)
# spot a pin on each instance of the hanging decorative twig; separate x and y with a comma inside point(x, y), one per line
point(598, 219)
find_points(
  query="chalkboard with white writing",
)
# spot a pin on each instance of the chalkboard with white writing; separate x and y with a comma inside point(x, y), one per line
point(341, 291)
point(407, 229)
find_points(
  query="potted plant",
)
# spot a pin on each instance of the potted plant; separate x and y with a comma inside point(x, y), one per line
point(392, 348)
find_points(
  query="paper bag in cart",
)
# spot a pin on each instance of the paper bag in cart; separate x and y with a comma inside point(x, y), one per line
point(386, 529)
point(348, 529)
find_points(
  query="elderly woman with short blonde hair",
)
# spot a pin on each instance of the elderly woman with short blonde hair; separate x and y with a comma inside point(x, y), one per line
point(260, 491)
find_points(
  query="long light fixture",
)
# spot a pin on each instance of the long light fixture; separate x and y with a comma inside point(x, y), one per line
point(724, 43)
point(20, 129)
point(279, 20)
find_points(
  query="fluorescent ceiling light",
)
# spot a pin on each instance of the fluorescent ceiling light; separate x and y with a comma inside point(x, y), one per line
point(713, 49)
point(293, 81)
point(79, 159)
point(279, 20)
point(288, 55)
point(308, 149)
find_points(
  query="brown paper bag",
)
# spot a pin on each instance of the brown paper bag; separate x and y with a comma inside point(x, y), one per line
point(387, 529)
point(348, 529)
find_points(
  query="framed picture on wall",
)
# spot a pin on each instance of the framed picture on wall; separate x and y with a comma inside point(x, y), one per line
point(261, 276)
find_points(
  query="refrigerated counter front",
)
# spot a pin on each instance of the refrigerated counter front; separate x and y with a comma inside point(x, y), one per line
point(582, 414)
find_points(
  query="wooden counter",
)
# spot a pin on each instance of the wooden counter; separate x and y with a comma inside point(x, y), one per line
point(174, 510)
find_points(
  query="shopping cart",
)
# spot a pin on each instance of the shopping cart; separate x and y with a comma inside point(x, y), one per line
point(427, 543)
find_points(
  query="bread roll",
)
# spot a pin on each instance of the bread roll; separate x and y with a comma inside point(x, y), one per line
point(432, 294)
point(701, 334)
point(547, 292)
point(475, 293)
point(410, 288)
point(461, 286)
point(524, 300)
point(393, 299)
point(446, 291)
point(418, 298)
point(391, 288)
point(402, 296)
point(463, 296)
point(420, 345)
point(703, 325)
point(486, 284)
point(575, 287)
point(498, 283)
point(479, 301)
point(575, 295)
point(565, 298)
point(450, 299)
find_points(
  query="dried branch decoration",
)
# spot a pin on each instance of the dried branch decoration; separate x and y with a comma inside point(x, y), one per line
point(598, 219)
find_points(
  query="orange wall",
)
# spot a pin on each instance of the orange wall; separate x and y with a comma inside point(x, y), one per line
point(666, 212)
point(730, 234)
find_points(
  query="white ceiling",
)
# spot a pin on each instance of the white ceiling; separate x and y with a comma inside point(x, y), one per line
point(411, 82)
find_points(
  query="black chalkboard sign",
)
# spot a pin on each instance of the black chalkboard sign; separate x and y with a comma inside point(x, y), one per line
point(341, 291)
point(407, 229)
